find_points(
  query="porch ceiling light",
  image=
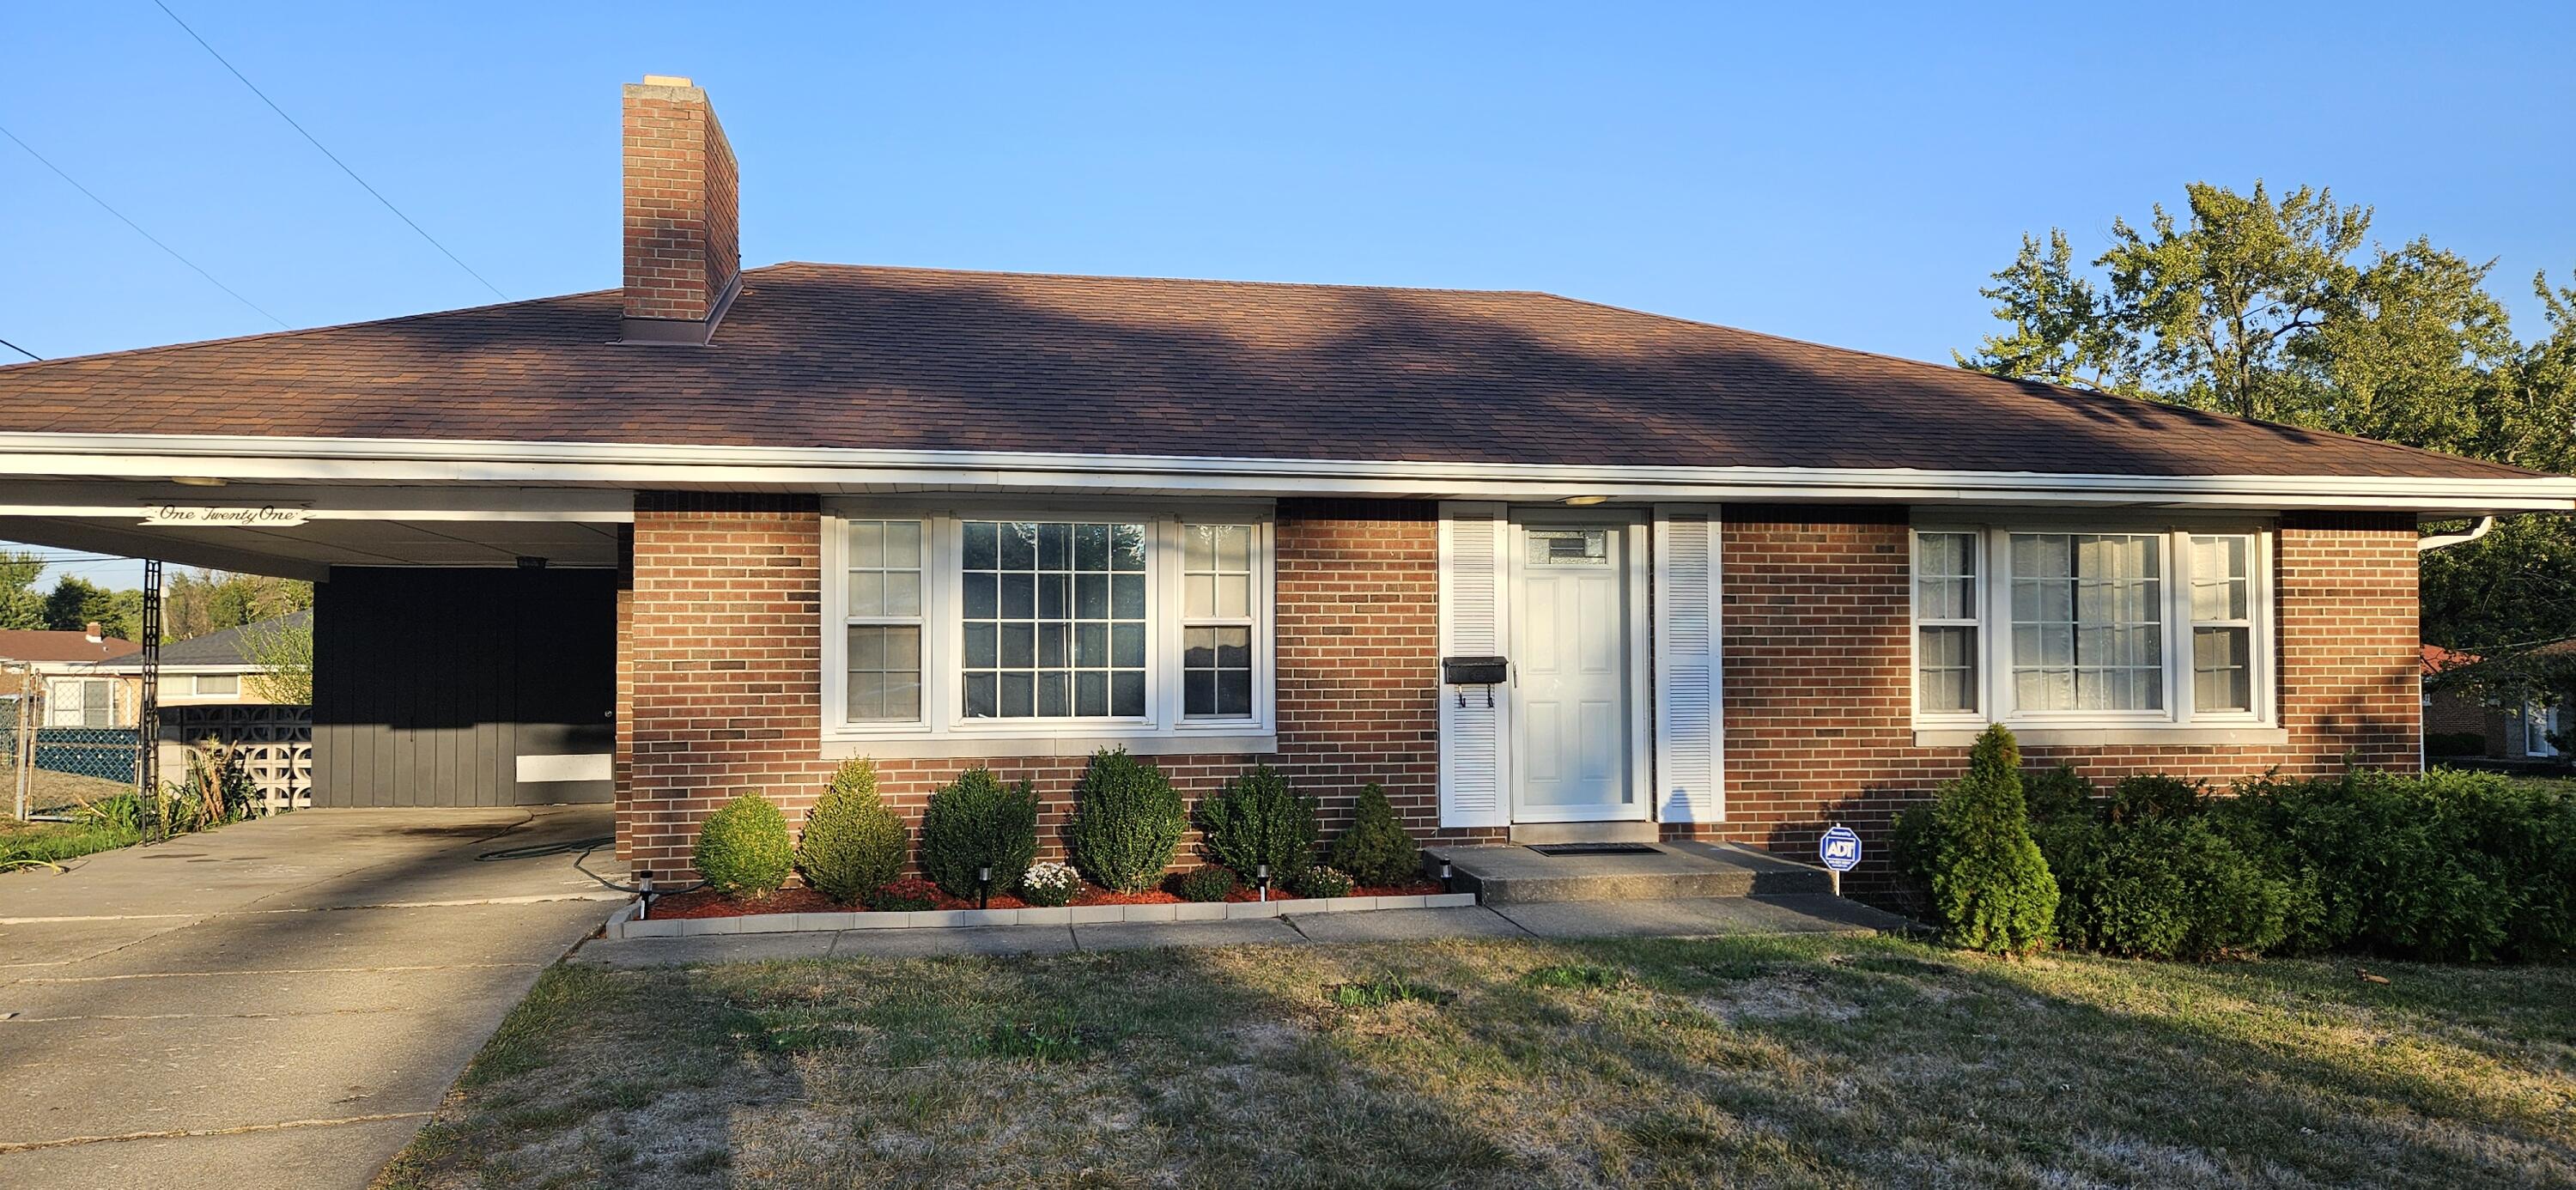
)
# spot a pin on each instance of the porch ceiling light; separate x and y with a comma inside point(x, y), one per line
point(1586, 501)
point(199, 481)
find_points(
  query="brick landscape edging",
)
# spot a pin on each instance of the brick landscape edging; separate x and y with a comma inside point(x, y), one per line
point(623, 924)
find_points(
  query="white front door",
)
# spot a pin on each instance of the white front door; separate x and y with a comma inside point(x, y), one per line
point(1570, 692)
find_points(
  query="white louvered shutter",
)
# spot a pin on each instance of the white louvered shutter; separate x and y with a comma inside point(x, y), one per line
point(1690, 736)
point(1473, 745)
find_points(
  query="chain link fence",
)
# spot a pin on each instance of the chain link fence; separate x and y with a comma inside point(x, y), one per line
point(103, 753)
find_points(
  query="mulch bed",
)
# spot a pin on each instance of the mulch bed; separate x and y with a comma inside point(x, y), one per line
point(798, 899)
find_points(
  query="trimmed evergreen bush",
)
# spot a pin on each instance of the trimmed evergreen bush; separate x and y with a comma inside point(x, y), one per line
point(2161, 888)
point(1257, 819)
point(1209, 883)
point(2147, 796)
point(743, 850)
point(1376, 850)
point(977, 822)
point(1991, 890)
point(1127, 822)
point(853, 842)
point(2055, 793)
point(2448, 865)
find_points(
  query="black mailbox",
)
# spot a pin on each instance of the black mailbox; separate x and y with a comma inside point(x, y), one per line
point(1474, 671)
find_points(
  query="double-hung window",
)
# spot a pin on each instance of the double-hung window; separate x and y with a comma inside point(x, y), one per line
point(969, 627)
point(2084, 626)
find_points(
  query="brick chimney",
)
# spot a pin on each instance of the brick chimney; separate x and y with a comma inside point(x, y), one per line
point(683, 256)
point(95, 631)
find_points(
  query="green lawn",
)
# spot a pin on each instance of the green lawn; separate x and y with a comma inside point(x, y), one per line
point(1848, 1062)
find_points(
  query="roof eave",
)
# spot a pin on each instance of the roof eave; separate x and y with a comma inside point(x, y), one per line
point(482, 463)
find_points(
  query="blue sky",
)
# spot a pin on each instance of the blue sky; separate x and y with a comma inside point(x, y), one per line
point(1848, 176)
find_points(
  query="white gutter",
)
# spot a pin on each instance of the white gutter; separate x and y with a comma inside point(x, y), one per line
point(2434, 541)
point(631, 466)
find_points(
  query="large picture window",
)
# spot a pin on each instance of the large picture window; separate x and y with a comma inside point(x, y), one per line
point(1112, 625)
point(2081, 626)
point(1054, 614)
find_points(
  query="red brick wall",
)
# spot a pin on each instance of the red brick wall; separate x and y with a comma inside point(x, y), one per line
point(721, 670)
point(722, 683)
point(1817, 707)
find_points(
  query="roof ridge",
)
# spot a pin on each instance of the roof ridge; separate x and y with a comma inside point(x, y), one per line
point(2044, 387)
point(1229, 281)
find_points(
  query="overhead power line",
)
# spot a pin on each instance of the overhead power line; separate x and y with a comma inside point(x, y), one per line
point(21, 350)
point(335, 158)
point(138, 228)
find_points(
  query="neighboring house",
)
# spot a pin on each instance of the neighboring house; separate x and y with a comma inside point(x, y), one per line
point(718, 529)
point(73, 694)
point(2462, 720)
point(211, 670)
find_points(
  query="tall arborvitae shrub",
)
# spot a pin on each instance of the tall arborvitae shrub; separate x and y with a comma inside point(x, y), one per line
point(1376, 850)
point(853, 842)
point(1991, 891)
point(1258, 820)
point(1127, 821)
point(974, 823)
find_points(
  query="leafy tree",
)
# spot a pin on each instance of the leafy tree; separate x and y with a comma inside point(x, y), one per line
point(211, 601)
point(2283, 309)
point(75, 602)
point(20, 606)
point(284, 655)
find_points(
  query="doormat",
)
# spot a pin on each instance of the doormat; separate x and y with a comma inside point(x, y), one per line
point(1592, 848)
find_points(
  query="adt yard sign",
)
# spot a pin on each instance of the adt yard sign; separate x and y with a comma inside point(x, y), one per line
point(1840, 849)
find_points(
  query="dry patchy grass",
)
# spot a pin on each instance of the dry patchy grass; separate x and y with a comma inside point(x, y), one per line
point(1842, 1062)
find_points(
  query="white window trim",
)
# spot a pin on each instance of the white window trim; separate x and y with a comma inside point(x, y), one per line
point(943, 729)
point(2177, 719)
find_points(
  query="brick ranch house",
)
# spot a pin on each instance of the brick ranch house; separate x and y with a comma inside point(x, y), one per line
point(720, 528)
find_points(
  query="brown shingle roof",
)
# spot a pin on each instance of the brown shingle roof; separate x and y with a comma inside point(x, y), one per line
point(842, 356)
point(41, 645)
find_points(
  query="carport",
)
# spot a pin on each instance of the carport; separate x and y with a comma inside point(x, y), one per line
point(465, 635)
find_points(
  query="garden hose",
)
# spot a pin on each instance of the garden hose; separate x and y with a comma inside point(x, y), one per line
point(584, 847)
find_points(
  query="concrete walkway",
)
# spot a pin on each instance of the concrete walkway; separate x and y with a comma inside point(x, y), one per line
point(276, 1003)
point(1695, 917)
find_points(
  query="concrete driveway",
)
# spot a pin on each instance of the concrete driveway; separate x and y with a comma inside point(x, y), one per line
point(276, 1003)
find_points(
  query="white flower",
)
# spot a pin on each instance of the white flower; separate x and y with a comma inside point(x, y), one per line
point(1051, 875)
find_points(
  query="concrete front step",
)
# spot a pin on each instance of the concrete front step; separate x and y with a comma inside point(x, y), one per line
point(1505, 875)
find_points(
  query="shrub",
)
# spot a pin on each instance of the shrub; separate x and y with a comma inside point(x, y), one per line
point(2146, 796)
point(1257, 819)
point(2161, 887)
point(977, 822)
point(743, 850)
point(1991, 890)
point(1376, 850)
point(1321, 882)
point(1127, 821)
point(2448, 865)
point(2056, 793)
point(904, 896)
point(1210, 883)
point(1049, 884)
point(852, 840)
